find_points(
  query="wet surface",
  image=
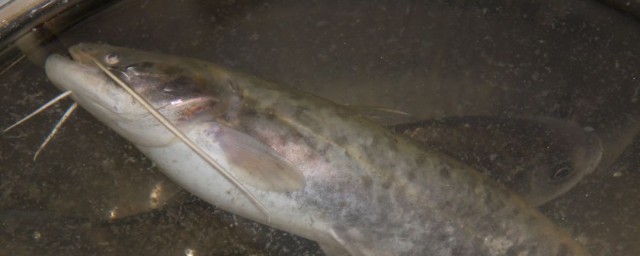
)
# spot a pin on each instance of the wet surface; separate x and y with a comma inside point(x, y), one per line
point(572, 60)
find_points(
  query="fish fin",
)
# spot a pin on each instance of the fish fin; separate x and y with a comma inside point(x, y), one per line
point(382, 115)
point(256, 163)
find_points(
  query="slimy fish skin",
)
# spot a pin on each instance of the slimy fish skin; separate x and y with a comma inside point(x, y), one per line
point(322, 172)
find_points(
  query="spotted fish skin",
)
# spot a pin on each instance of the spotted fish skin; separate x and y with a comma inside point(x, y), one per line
point(540, 158)
point(364, 190)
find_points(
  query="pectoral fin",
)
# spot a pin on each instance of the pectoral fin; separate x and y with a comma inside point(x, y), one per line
point(256, 163)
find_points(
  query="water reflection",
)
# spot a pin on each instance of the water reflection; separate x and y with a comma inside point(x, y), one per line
point(571, 60)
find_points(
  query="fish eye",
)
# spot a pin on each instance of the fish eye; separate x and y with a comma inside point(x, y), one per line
point(111, 58)
point(561, 172)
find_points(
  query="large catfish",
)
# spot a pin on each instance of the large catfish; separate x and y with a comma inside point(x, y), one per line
point(320, 171)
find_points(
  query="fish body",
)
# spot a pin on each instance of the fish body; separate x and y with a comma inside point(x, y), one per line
point(539, 158)
point(322, 173)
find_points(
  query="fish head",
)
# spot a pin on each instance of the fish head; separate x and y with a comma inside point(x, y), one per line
point(565, 154)
point(174, 90)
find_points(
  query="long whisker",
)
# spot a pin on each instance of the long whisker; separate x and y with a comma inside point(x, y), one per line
point(185, 139)
point(15, 62)
point(55, 129)
point(45, 106)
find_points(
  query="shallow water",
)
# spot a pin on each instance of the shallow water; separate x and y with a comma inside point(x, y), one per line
point(573, 60)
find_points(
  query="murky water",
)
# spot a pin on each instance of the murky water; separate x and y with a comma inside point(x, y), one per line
point(573, 60)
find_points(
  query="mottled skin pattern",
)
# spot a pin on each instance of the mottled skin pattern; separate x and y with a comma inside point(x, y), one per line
point(367, 191)
point(539, 158)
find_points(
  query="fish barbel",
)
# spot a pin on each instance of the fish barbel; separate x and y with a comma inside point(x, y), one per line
point(323, 173)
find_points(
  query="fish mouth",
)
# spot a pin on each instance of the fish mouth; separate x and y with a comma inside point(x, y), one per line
point(90, 87)
point(106, 101)
point(69, 75)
